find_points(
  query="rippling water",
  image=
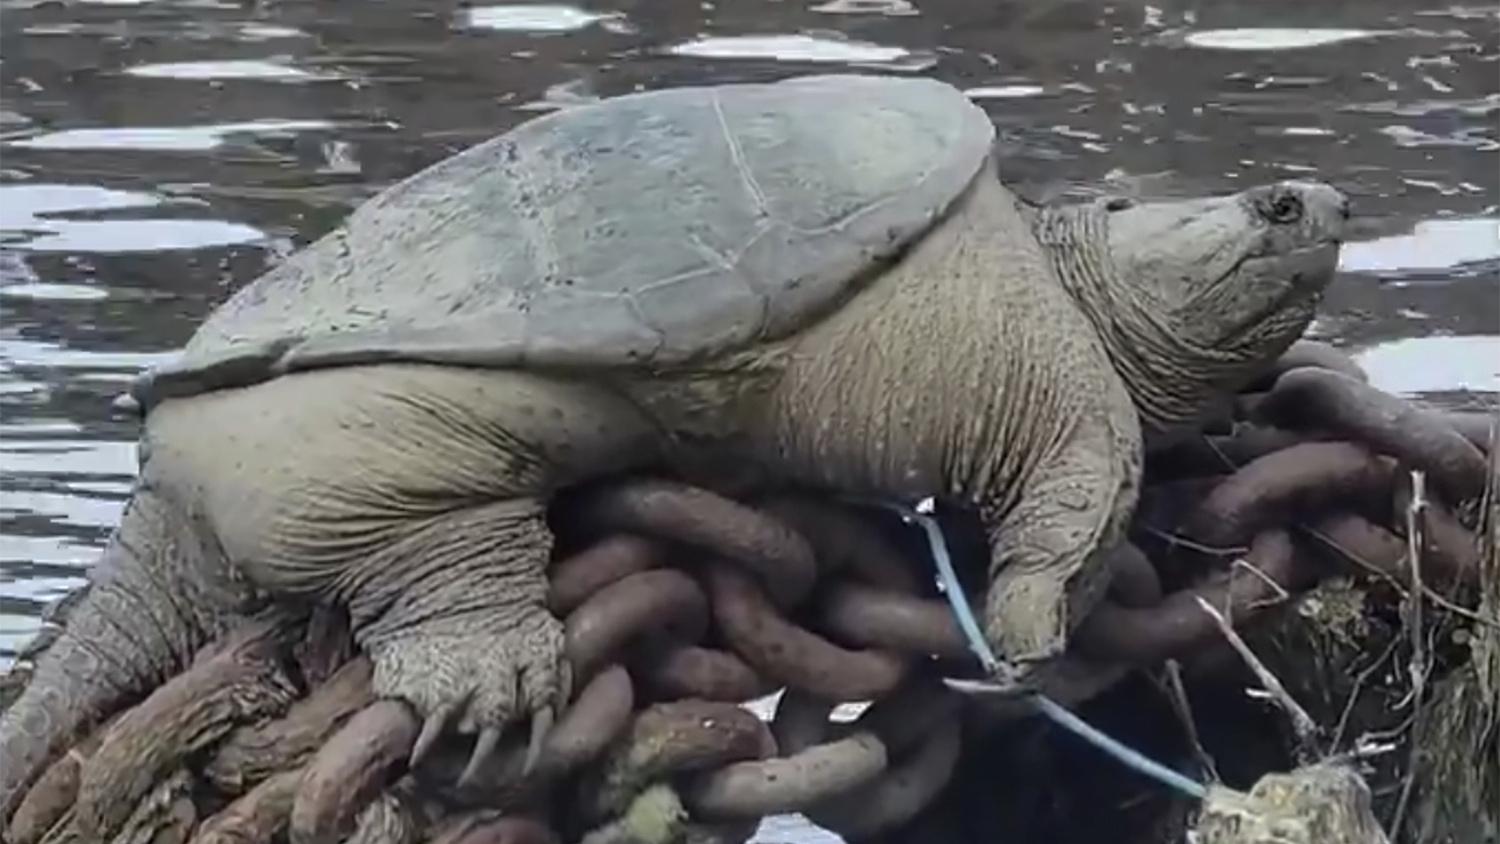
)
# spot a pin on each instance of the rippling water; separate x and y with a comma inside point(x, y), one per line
point(156, 155)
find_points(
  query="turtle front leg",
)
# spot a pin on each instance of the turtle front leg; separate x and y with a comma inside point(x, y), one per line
point(454, 618)
point(1047, 558)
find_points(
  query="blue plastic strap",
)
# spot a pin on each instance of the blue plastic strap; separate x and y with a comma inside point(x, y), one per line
point(1044, 705)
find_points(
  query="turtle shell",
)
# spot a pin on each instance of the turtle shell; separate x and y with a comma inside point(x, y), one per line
point(651, 229)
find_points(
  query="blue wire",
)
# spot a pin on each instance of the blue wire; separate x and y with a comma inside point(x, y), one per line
point(954, 590)
point(1044, 705)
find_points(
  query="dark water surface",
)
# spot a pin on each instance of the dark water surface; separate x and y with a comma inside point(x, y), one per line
point(156, 155)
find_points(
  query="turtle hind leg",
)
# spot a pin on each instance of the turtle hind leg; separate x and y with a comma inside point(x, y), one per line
point(414, 497)
point(459, 630)
point(1047, 559)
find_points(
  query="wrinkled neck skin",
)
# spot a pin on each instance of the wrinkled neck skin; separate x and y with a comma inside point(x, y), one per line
point(1173, 378)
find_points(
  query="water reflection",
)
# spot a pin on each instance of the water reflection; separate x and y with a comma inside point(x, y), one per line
point(54, 292)
point(804, 48)
point(271, 71)
point(40, 218)
point(190, 30)
point(1004, 92)
point(1274, 39)
point(1471, 244)
point(165, 138)
point(891, 8)
point(536, 18)
point(1416, 366)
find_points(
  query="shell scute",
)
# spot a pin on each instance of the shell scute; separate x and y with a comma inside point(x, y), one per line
point(652, 228)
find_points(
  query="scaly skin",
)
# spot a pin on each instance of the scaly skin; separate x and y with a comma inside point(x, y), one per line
point(1010, 362)
point(157, 594)
point(416, 499)
point(916, 387)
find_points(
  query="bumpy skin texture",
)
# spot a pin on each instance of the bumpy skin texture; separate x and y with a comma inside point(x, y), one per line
point(916, 387)
point(1007, 362)
point(159, 592)
point(415, 497)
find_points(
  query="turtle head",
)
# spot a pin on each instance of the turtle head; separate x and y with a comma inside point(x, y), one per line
point(1234, 270)
point(1192, 296)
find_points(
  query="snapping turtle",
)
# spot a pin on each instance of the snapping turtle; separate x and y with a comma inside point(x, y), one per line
point(821, 276)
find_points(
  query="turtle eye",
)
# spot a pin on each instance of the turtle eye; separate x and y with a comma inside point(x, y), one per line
point(1285, 208)
point(1118, 203)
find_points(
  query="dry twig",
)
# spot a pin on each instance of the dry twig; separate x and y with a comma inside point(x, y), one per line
point(1400, 588)
point(1418, 666)
point(1171, 683)
point(1302, 723)
point(1354, 693)
point(1175, 539)
point(1279, 592)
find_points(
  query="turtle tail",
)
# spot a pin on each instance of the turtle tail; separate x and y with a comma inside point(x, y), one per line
point(148, 608)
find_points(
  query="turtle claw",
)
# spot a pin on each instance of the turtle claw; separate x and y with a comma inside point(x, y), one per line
point(484, 748)
point(473, 683)
point(541, 726)
point(1005, 680)
point(432, 730)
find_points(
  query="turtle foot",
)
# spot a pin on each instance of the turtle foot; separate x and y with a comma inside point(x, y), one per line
point(476, 681)
point(1023, 624)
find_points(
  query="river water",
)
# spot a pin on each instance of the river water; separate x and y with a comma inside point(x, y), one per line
point(156, 155)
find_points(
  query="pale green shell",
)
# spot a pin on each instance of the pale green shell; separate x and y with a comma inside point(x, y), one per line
point(648, 229)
